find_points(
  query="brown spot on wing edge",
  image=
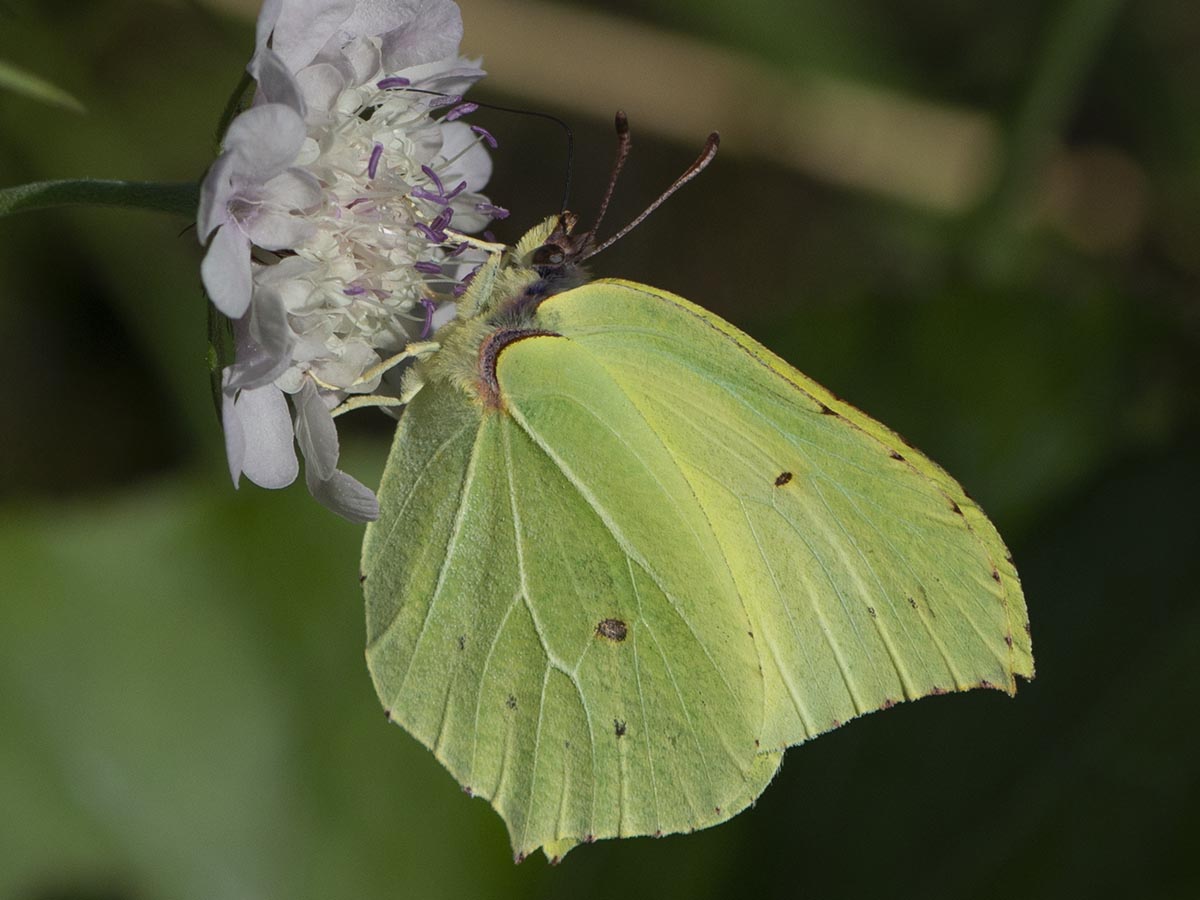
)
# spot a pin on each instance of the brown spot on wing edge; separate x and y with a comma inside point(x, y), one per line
point(783, 478)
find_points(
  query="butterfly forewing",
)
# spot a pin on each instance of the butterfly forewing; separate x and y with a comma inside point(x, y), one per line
point(866, 579)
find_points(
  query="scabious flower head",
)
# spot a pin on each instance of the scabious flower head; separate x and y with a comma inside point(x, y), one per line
point(326, 220)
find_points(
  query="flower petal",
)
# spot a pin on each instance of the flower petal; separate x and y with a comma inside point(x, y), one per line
point(444, 314)
point(345, 496)
point(446, 76)
point(321, 85)
point(270, 456)
point(414, 32)
point(267, 17)
point(235, 438)
point(225, 271)
point(474, 166)
point(215, 193)
point(266, 140)
point(264, 342)
point(276, 84)
point(277, 230)
point(315, 433)
point(303, 27)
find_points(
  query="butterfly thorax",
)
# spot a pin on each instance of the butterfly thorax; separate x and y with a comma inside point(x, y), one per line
point(501, 306)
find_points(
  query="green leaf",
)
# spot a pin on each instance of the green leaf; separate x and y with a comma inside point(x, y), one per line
point(626, 557)
point(180, 198)
point(20, 81)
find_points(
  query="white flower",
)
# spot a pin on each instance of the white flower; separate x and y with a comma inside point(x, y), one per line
point(349, 168)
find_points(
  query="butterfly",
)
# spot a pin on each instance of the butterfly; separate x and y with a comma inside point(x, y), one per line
point(626, 556)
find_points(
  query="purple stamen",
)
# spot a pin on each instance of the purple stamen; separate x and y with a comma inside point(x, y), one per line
point(373, 165)
point(354, 203)
point(490, 209)
point(433, 176)
point(486, 135)
point(429, 268)
point(441, 198)
point(354, 290)
point(463, 109)
point(422, 194)
point(436, 230)
point(461, 288)
point(457, 251)
point(394, 81)
point(448, 100)
point(490, 237)
point(429, 308)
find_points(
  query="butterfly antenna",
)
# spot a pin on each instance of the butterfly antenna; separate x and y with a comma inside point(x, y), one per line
point(706, 156)
point(624, 142)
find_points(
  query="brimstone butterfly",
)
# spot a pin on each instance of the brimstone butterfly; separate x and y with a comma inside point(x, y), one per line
point(626, 556)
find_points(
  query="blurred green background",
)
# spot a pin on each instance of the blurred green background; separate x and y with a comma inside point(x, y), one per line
point(978, 222)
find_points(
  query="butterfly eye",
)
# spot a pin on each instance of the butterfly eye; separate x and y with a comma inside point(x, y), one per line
point(549, 255)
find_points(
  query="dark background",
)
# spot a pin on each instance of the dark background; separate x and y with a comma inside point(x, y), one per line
point(184, 708)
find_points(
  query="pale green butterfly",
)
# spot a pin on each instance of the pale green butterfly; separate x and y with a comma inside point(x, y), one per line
point(626, 556)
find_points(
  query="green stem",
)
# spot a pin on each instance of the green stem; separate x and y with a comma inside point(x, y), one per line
point(181, 198)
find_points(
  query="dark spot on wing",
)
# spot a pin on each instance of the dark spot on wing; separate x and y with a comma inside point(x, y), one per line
point(783, 478)
point(986, 684)
point(912, 602)
point(825, 410)
point(387, 714)
point(938, 691)
point(756, 744)
point(871, 611)
point(619, 727)
point(955, 507)
point(589, 839)
point(888, 703)
point(613, 629)
point(462, 642)
point(361, 577)
point(519, 858)
point(511, 702)
point(996, 576)
point(1008, 640)
point(718, 809)
point(658, 833)
point(894, 455)
point(555, 860)
point(1027, 631)
point(468, 790)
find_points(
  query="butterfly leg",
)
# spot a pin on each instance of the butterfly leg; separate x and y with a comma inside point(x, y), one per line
point(415, 350)
point(486, 246)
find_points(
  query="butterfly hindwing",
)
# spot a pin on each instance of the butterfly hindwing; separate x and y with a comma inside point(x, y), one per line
point(548, 613)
